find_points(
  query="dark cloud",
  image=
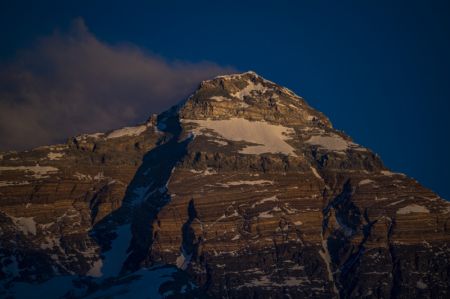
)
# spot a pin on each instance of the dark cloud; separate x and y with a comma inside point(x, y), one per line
point(73, 83)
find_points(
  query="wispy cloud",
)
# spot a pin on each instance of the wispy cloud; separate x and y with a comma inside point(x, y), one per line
point(72, 83)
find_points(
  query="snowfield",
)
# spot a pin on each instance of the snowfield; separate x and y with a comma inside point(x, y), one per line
point(156, 282)
point(270, 138)
point(114, 258)
point(127, 131)
point(332, 143)
point(412, 208)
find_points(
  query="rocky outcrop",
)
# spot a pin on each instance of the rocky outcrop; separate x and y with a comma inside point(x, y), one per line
point(244, 187)
point(52, 196)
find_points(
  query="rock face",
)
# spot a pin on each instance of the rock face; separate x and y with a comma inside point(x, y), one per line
point(243, 186)
point(52, 196)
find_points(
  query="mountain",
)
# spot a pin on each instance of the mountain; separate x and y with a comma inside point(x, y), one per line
point(241, 190)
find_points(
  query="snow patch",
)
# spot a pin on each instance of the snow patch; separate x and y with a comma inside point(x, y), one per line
point(249, 90)
point(95, 135)
point(380, 198)
point(219, 98)
point(55, 156)
point(82, 177)
point(236, 237)
point(140, 194)
point(99, 176)
point(270, 138)
point(395, 203)
point(316, 174)
point(127, 131)
point(365, 182)
point(144, 283)
point(220, 142)
point(96, 269)
point(207, 171)
point(26, 225)
point(49, 243)
point(390, 173)
point(238, 183)
point(183, 260)
point(326, 257)
point(332, 143)
point(412, 208)
point(268, 214)
point(114, 258)
point(268, 199)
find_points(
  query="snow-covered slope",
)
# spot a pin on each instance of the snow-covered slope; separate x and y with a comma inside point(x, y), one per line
point(155, 282)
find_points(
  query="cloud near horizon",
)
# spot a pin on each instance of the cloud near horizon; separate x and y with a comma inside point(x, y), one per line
point(71, 83)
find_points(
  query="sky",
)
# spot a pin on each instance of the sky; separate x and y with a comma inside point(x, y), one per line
point(378, 69)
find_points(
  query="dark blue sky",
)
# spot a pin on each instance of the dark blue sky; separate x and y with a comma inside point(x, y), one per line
point(378, 69)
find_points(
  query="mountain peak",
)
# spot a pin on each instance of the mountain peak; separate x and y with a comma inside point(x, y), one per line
point(249, 73)
point(248, 95)
point(243, 187)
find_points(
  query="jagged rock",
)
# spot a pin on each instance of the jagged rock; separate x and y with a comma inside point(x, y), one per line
point(244, 187)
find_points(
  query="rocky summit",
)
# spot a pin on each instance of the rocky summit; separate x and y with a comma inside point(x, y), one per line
point(240, 191)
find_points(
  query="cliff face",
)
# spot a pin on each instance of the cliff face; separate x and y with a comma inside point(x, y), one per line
point(244, 187)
